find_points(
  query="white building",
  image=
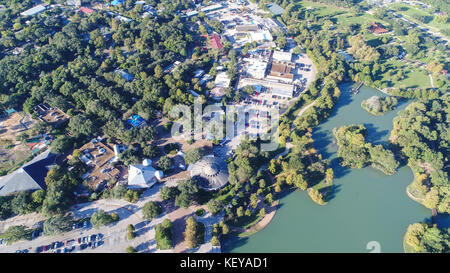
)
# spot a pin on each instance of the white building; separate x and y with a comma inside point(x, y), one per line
point(278, 89)
point(282, 56)
point(143, 175)
point(261, 36)
point(257, 69)
point(34, 10)
point(222, 80)
point(212, 8)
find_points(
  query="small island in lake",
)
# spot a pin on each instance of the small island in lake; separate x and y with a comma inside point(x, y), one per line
point(355, 152)
point(379, 106)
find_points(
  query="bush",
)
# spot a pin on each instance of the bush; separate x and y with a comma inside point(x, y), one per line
point(130, 232)
point(199, 212)
point(171, 148)
point(131, 249)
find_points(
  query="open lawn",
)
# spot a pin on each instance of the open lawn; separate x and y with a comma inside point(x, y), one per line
point(247, 221)
point(413, 76)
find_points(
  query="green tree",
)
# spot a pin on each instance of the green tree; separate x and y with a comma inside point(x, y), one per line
point(193, 155)
point(151, 210)
point(168, 193)
point(165, 163)
point(57, 224)
point(16, 233)
point(214, 206)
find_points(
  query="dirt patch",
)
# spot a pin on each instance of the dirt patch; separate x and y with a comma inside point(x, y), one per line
point(13, 152)
point(178, 217)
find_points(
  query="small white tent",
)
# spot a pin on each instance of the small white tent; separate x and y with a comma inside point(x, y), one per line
point(142, 175)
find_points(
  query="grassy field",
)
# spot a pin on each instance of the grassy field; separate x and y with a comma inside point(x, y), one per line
point(413, 76)
point(409, 11)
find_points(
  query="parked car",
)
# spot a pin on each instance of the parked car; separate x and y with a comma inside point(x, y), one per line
point(99, 236)
point(69, 242)
point(79, 240)
point(58, 244)
point(39, 249)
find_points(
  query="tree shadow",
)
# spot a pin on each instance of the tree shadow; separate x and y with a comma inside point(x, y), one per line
point(375, 135)
point(339, 171)
point(330, 192)
point(230, 242)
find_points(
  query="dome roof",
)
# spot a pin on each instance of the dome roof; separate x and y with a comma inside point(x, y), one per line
point(211, 173)
point(147, 162)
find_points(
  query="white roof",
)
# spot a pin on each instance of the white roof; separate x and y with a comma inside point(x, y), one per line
point(222, 80)
point(263, 35)
point(140, 176)
point(34, 10)
point(283, 92)
point(282, 56)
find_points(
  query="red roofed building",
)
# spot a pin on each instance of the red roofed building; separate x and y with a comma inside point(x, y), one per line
point(215, 41)
point(377, 29)
point(86, 10)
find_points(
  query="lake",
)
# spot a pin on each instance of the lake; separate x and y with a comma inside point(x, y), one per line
point(368, 205)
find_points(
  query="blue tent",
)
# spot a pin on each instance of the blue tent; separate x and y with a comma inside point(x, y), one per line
point(117, 2)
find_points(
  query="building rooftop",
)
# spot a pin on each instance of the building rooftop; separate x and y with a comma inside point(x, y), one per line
point(34, 10)
point(98, 156)
point(211, 173)
point(247, 28)
point(282, 56)
point(29, 177)
point(143, 175)
point(377, 29)
point(51, 115)
point(275, 9)
point(222, 80)
point(215, 41)
point(86, 10)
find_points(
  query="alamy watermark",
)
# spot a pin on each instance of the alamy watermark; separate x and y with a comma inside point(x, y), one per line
point(213, 122)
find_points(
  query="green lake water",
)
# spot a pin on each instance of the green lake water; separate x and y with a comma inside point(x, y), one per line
point(367, 205)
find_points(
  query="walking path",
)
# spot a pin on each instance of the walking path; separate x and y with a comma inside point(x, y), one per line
point(431, 80)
